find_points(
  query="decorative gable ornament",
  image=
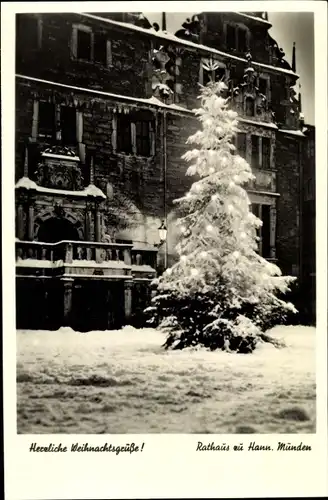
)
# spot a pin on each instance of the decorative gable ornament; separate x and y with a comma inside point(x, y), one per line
point(191, 29)
point(163, 76)
point(247, 89)
point(210, 64)
point(59, 169)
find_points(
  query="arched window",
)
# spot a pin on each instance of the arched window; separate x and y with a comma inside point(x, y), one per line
point(249, 106)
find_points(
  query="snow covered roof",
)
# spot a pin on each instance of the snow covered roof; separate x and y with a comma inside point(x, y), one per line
point(152, 101)
point(60, 157)
point(259, 123)
point(265, 193)
point(91, 190)
point(259, 19)
point(165, 35)
point(298, 133)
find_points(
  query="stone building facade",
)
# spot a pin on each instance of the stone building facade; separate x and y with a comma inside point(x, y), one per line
point(103, 110)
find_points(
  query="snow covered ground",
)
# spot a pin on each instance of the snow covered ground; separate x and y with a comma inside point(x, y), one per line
point(124, 382)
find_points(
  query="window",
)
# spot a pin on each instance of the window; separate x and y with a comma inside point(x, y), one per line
point(266, 149)
point(83, 45)
point(263, 232)
point(241, 144)
point(143, 138)
point(237, 38)
point(47, 117)
point(100, 48)
point(91, 46)
point(215, 75)
point(48, 114)
point(242, 40)
point(134, 134)
point(263, 86)
point(256, 209)
point(255, 151)
point(249, 106)
point(231, 37)
point(68, 125)
point(124, 143)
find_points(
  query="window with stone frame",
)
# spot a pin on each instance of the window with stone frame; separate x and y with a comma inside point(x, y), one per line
point(263, 232)
point(91, 46)
point(84, 43)
point(100, 48)
point(255, 151)
point(231, 36)
point(135, 134)
point(47, 120)
point(263, 86)
point(143, 138)
point(68, 125)
point(241, 40)
point(124, 142)
point(236, 38)
point(241, 144)
point(249, 106)
point(215, 75)
point(266, 150)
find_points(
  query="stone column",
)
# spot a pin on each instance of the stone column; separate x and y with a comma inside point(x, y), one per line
point(98, 225)
point(127, 256)
point(68, 295)
point(128, 300)
point(20, 222)
point(31, 222)
point(89, 222)
point(273, 219)
point(69, 253)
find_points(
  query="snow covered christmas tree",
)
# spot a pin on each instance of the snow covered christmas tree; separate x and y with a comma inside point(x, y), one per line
point(220, 293)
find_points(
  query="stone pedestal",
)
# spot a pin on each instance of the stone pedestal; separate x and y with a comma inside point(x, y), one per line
point(31, 222)
point(128, 300)
point(98, 226)
point(69, 253)
point(68, 296)
point(127, 256)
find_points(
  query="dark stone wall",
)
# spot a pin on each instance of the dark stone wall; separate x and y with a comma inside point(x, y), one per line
point(124, 77)
point(134, 184)
point(288, 204)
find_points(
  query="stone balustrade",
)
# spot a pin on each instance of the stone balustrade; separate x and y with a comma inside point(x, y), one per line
point(69, 251)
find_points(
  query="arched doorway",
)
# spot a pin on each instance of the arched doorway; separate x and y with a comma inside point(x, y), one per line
point(57, 229)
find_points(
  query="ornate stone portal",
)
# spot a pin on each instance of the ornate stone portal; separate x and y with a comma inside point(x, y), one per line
point(59, 195)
